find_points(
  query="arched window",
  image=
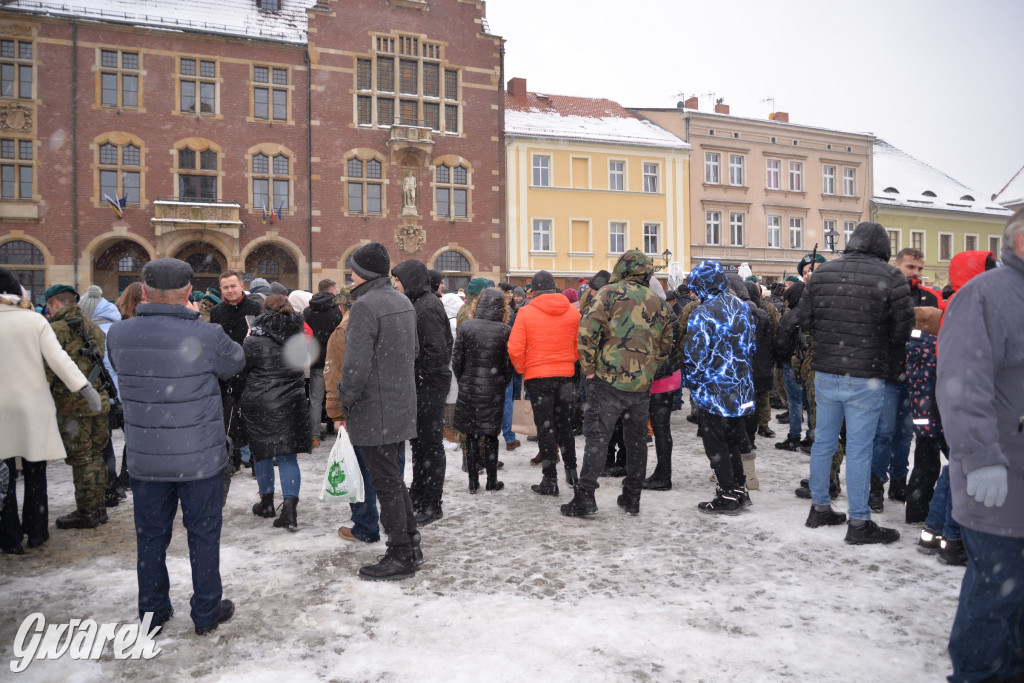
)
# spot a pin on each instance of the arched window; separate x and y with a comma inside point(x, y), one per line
point(268, 268)
point(197, 171)
point(27, 264)
point(456, 269)
point(274, 264)
point(120, 169)
point(348, 270)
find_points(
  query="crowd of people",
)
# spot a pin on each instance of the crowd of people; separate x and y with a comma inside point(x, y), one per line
point(205, 383)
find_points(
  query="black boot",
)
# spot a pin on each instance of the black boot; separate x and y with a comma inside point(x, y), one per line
point(429, 513)
point(782, 418)
point(491, 448)
point(724, 503)
point(898, 490)
point(112, 499)
point(952, 552)
point(792, 443)
point(571, 476)
point(472, 463)
point(265, 508)
point(582, 504)
point(83, 519)
point(876, 498)
point(824, 517)
point(548, 486)
point(867, 531)
point(630, 502)
point(288, 519)
point(394, 565)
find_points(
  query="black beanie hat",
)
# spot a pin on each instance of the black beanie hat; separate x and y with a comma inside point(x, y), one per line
point(371, 261)
point(543, 281)
point(600, 279)
point(8, 283)
point(436, 278)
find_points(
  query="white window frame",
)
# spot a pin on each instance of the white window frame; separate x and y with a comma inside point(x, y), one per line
point(652, 230)
point(542, 227)
point(712, 168)
point(826, 225)
point(951, 248)
point(796, 176)
point(773, 176)
point(612, 234)
point(828, 179)
point(541, 170)
point(774, 225)
point(898, 235)
point(617, 174)
point(652, 179)
point(735, 229)
point(713, 227)
point(848, 228)
point(849, 181)
point(796, 229)
point(736, 175)
point(969, 236)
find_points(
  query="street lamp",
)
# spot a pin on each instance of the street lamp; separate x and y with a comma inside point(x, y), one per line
point(666, 256)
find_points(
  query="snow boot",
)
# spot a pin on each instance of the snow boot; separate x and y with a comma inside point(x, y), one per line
point(724, 503)
point(868, 532)
point(287, 518)
point(655, 483)
point(951, 552)
point(748, 469)
point(743, 496)
point(824, 515)
point(930, 541)
point(265, 508)
point(491, 454)
point(474, 474)
point(394, 565)
point(630, 502)
point(430, 511)
point(548, 486)
point(582, 504)
point(876, 497)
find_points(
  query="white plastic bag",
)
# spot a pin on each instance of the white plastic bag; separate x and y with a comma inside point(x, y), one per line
point(343, 481)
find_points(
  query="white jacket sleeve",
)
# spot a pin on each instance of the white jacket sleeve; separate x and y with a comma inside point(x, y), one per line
point(58, 359)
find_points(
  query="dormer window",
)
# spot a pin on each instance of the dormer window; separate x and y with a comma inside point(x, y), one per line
point(891, 190)
point(967, 198)
point(927, 193)
point(269, 5)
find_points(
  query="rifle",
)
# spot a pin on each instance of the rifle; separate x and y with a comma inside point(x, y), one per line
point(814, 256)
point(92, 352)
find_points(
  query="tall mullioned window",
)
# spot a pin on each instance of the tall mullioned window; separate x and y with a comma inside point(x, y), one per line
point(119, 79)
point(271, 181)
point(16, 69)
point(365, 180)
point(120, 170)
point(16, 169)
point(197, 83)
point(270, 93)
point(451, 191)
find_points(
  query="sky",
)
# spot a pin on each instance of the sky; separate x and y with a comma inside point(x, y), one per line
point(938, 79)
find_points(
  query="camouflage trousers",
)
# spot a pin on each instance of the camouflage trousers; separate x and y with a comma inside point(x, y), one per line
point(780, 386)
point(84, 440)
point(840, 454)
point(764, 408)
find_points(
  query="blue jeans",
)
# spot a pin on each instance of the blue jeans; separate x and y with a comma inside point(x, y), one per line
point(859, 400)
point(987, 639)
point(156, 505)
point(246, 453)
point(891, 450)
point(940, 510)
point(512, 391)
point(795, 399)
point(288, 467)
point(365, 516)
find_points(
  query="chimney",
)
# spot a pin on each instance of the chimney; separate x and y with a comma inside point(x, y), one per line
point(721, 108)
point(691, 103)
point(781, 116)
point(517, 87)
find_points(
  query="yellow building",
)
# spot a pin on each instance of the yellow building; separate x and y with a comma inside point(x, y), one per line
point(586, 181)
point(924, 208)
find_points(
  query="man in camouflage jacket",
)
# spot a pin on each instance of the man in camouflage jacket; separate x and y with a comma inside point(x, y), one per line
point(83, 430)
point(625, 336)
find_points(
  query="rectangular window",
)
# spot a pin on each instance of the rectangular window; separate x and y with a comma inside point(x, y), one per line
point(373, 197)
point(132, 183)
point(16, 69)
point(830, 234)
point(650, 177)
point(917, 240)
point(541, 235)
point(774, 232)
point(119, 79)
point(736, 229)
point(993, 245)
point(616, 238)
point(261, 193)
point(364, 112)
point(652, 244)
point(409, 76)
point(460, 202)
point(772, 181)
point(796, 176)
point(432, 79)
point(894, 241)
point(385, 111)
point(712, 168)
point(364, 74)
point(848, 227)
point(713, 223)
point(202, 85)
point(270, 97)
point(423, 86)
point(945, 246)
point(108, 184)
point(407, 112)
point(970, 243)
point(386, 74)
point(828, 179)
point(542, 171)
point(355, 197)
point(432, 115)
point(16, 171)
point(796, 233)
point(849, 182)
point(451, 84)
point(617, 175)
point(735, 169)
point(451, 118)
point(197, 187)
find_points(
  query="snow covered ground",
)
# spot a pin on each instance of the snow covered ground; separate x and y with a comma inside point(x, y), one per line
point(513, 590)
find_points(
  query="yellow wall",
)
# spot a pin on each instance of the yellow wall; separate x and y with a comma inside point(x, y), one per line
point(581, 206)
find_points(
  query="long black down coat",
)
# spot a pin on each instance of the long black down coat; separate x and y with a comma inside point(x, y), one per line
point(274, 405)
point(481, 363)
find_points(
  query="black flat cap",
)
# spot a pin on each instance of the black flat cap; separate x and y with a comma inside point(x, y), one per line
point(167, 273)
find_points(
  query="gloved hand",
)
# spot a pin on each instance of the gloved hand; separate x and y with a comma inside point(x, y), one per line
point(91, 397)
point(988, 485)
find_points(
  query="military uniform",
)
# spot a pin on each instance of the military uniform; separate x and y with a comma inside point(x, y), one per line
point(802, 367)
point(85, 433)
point(764, 404)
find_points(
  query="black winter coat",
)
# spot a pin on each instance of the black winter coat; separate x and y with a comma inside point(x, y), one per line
point(274, 405)
point(323, 317)
point(859, 310)
point(788, 336)
point(762, 360)
point(674, 362)
point(434, 332)
point(481, 363)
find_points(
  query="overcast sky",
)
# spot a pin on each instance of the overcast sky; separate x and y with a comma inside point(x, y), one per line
point(941, 80)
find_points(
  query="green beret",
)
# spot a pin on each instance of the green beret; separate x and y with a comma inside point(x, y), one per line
point(211, 297)
point(806, 260)
point(195, 297)
point(477, 285)
point(54, 290)
point(752, 278)
point(793, 278)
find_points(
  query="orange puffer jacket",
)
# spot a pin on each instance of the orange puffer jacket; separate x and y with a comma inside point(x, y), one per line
point(543, 341)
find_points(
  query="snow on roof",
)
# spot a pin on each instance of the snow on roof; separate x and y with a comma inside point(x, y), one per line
point(226, 17)
point(1013, 193)
point(902, 180)
point(585, 119)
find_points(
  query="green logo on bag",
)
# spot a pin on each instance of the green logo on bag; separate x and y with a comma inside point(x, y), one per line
point(335, 478)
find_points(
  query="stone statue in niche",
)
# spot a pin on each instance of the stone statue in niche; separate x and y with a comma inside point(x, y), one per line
point(409, 195)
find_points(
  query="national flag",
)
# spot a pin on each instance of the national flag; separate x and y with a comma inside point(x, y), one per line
point(272, 216)
point(279, 210)
point(264, 214)
point(117, 206)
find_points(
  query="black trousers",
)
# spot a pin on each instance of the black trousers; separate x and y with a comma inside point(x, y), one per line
point(921, 486)
point(661, 416)
point(428, 457)
point(396, 511)
point(35, 515)
point(725, 439)
point(605, 405)
point(616, 447)
point(552, 399)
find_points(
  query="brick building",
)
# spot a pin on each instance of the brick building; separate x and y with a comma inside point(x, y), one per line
point(267, 136)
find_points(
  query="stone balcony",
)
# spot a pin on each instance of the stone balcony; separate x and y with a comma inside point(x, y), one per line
point(411, 146)
point(171, 215)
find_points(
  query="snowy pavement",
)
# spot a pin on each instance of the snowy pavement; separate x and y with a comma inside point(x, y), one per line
point(513, 590)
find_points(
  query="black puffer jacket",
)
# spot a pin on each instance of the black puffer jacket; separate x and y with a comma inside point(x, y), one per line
point(323, 317)
point(274, 405)
point(674, 362)
point(859, 310)
point(481, 363)
point(788, 336)
point(762, 360)
point(432, 329)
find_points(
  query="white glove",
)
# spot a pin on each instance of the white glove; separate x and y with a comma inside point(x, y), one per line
point(988, 485)
point(91, 397)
